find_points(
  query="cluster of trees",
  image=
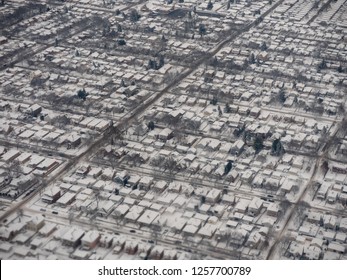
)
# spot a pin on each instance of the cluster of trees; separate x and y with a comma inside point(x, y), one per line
point(301, 211)
point(82, 94)
point(68, 100)
point(13, 169)
point(38, 81)
point(281, 96)
point(322, 65)
point(258, 144)
point(325, 166)
point(151, 125)
point(257, 141)
point(202, 29)
point(134, 15)
point(189, 22)
point(21, 13)
point(340, 69)
point(61, 121)
point(228, 167)
point(107, 31)
point(316, 4)
point(214, 100)
point(263, 46)
point(168, 163)
point(239, 130)
point(119, 28)
point(190, 125)
point(277, 148)
point(121, 42)
point(284, 206)
point(155, 65)
point(251, 59)
point(227, 108)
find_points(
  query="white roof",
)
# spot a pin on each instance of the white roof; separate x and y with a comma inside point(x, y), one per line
point(91, 236)
point(73, 234)
point(148, 217)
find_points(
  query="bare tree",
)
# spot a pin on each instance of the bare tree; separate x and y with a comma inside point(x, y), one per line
point(71, 216)
point(14, 169)
point(295, 189)
point(92, 221)
point(284, 243)
point(138, 131)
point(284, 206)
point(20, 213)
point(97, 197)
point(301, 209)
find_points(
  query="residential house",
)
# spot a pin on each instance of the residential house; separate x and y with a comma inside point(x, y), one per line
point(90, 239)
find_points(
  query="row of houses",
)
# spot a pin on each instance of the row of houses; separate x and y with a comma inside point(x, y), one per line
point(320, 236)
